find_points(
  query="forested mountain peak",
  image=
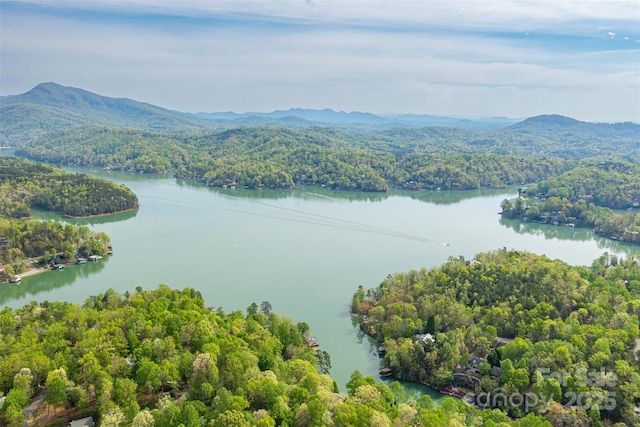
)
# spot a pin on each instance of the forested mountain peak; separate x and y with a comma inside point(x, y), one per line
point(556, 119)
point(59, 96)
point(556, 122)
point(51, 106)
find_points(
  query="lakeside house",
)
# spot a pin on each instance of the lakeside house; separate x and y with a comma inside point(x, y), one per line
point(425, 339)
point(495, 372)
point(474, 364)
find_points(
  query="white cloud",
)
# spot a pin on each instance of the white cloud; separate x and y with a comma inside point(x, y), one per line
point(346, 56)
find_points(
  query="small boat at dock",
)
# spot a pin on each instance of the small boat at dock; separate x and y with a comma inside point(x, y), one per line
point(385, 372)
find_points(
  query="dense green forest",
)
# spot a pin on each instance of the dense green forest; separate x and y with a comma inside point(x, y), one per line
point(25, 184)
point(282, 158)
point(587, 196)
point(568, 333)
point(161, 358)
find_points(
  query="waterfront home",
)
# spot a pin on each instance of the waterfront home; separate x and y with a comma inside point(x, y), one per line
point(474, 364)
point(15, 279)
point(495, 372)
point(425, 339)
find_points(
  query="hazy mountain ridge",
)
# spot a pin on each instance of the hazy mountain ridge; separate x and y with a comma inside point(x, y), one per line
point(360, 119)
point(52, 107)
point(555, 122)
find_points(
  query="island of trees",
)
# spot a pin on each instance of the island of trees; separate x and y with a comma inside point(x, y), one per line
point(161, 358)
point(563, 340)
point(24, 242)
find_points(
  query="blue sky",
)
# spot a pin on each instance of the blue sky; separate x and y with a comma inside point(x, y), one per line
point(464, 58)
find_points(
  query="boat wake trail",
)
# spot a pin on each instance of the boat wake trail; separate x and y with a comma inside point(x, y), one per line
point(307, 218)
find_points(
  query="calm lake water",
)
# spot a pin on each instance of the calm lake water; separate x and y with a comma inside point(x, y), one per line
point(304, 251)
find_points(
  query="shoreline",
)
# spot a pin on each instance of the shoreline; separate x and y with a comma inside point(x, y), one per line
point(24, 218)
point(31, 271)
point(135, 208)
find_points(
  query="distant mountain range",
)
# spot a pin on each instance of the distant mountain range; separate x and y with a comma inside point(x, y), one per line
point(340, 118)
point(51, 107)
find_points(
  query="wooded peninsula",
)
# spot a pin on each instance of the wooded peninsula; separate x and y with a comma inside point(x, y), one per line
point(25, 243)
point(510, 323)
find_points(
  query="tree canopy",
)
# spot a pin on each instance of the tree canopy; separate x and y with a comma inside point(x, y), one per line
point(548, 327)
point(161, 358)
point(590, 196)
point(26, 184)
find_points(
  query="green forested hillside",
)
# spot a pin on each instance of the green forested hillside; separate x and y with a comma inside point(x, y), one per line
point(50, 107)
point(586, 196)
point(574, 329)
point(25, 184)
point(161, 358)
point(611, 184)
point(66, 125)
point(282, 158)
